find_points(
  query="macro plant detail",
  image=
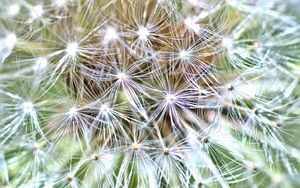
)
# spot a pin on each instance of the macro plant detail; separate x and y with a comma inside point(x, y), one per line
point(149, 93)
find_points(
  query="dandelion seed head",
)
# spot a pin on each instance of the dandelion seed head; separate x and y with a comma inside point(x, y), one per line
point(143, 33)
point(13, 10)
point(167, 91)
point(72, 49)
point(27, 107)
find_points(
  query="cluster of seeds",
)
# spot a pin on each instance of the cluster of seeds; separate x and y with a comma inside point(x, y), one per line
point(148, 93)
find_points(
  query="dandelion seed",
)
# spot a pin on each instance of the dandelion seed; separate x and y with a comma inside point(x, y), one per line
point(193, 2)
point(121, 76)
point(13, 10)
point(60, 2)
point(40, 64)
point(232, 2)
point(104, 108)
point(95, 157)
point(143, 33)
point(135, 146)
point(166, 151)
point(184, 55)
point(190, 23)
point(110, 35)
point(72, 49)
point(28, 107)
point(37, 11)
point(205, 139)
point(227, 42)
point(73, 111)
point(37, 146)
point(256, 111)
point(253, 167)
point(230, 87)
point(170, 98)
point(277, 124)
point(69, 178)
point(10, 40)
point(277, 177)
point(199, 185)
